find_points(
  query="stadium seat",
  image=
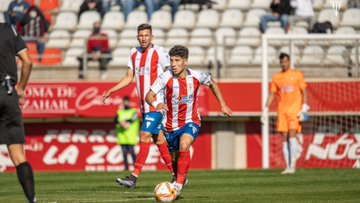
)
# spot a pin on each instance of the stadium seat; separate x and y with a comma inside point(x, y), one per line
point(177, 36)
point(353, 54)
point(241, 55)
point(298, 30)
point(71, 5)
point(272, 56)
point(227, 35)
point(312, 55)
point(71, 55)
point(120, 57)
point(344, 31)
point(161, 19)
point(253, 17)
point(66, 20)
point(136, 18)
point(159, 36)
point(295, 55)
point(196, 56)
point(351, 18)
point(231, 18)
point(328, 15)
point(48, 6)
point(128, 38)
point(112, 36)
point(208, 19)
point(4, 4)
point(264, 4)
point(2, 17)
point(220, 5)
point(249, 36)
point(276, 31)
point(201, 37)
point(59, 39)
point(51, 56)
point(336, 55)
point(87, 19)
point(318, 4)
point(185, 19)
point(242, 5)
point(113, 20)
point(328, 4)
point(79, 38)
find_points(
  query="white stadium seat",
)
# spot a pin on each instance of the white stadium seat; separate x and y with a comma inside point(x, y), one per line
point(312, 55)
point(2, 17)
point(177, 36)
point(264, 4)
point(59, 39)
point(298, 30)
point(253, 17)
point(161, 19)
point(296, 52)
point(159, 36)
point(241, 55)
point(328, 15)
point(227, 35)
point(185, 19)
point(231, 18)
point(71, 55)
point(318, 4)
point(136, 18)
point(87, 20)
point(196, 56)
point(113, 20)
point(272, 56)
point(112, 36)
point(120, 57)
point(71, 5)
point(249, 36)
point(351, 18)
point(201, 37)
point(208, 19)
point(128, 38)
point(328, 4)
point(79, 38)
point(353, 54)
point(220, 5)
point(335, 55)
point(237, 4)
point(4, 4)
point(344, 31)
point(66, 20)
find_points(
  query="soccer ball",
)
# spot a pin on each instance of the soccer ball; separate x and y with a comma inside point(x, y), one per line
point(164, 192)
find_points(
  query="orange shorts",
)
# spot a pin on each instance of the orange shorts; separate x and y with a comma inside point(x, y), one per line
point(287, 122)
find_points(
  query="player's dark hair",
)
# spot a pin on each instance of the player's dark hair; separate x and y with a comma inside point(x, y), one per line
point(126, 98)
point(144, 26)
point(180, 51)
point(283, 55)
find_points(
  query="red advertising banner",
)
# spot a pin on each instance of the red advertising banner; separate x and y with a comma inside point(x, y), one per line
point(91, 147)
point(46, 100)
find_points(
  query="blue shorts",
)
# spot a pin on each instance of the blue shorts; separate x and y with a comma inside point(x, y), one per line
point(152, 123)
point(173, 138)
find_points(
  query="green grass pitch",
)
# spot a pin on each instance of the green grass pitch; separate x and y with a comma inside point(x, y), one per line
point(325, 185)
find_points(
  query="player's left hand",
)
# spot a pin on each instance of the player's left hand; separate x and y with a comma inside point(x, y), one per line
point(162, 108)
point(20, 92)
point(226, 110)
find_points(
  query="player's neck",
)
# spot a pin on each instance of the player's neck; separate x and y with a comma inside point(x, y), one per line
point(146, 48)
point(182, 74)
point(285, 69)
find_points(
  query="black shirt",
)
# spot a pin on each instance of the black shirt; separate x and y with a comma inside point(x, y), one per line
point(282, 8)
point(11, 45)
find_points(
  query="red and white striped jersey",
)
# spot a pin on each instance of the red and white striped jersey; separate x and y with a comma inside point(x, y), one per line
point(148, 66)
point(181, 96)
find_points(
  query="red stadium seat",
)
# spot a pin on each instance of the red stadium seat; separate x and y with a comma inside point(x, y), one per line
point(51, 57)
point(49, 5)
point(31, 2)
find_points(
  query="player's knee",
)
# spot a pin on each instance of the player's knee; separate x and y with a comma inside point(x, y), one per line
point(145, 137)
point(184, 147)
point(18, 159)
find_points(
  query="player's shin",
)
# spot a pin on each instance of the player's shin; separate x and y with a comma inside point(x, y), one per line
point(293, 152)
point(165, 154)
point(26, 179)
point(141, 158)
point(183, 167)
point(285, 150)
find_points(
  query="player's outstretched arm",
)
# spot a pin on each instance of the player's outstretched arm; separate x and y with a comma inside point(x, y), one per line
point(125, 81)
point(150, 99)
point(216, 91)
point(25, 74)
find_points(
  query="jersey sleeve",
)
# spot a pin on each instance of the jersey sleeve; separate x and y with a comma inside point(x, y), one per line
point(159, 84)
point(130, 62)
point(273, 87)
point(204, 79)
point(19, 43)
point(164, 59)
point(302, 83)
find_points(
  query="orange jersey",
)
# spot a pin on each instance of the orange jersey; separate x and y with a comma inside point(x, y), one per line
point(288, 85)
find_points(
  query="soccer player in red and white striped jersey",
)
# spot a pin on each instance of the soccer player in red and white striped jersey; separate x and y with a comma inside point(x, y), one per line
point(182, 119)
point(146, 63)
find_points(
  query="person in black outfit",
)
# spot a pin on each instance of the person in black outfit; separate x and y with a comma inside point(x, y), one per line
point(11, 126)
point(280, 11)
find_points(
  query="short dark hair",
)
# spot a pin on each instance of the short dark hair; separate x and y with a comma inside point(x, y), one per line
point(126, 98)
point(144, 26)
point(283, 55)
point(180, 51)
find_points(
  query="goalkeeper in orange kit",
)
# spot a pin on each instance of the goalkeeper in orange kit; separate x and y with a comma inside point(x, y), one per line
point(290, 87)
